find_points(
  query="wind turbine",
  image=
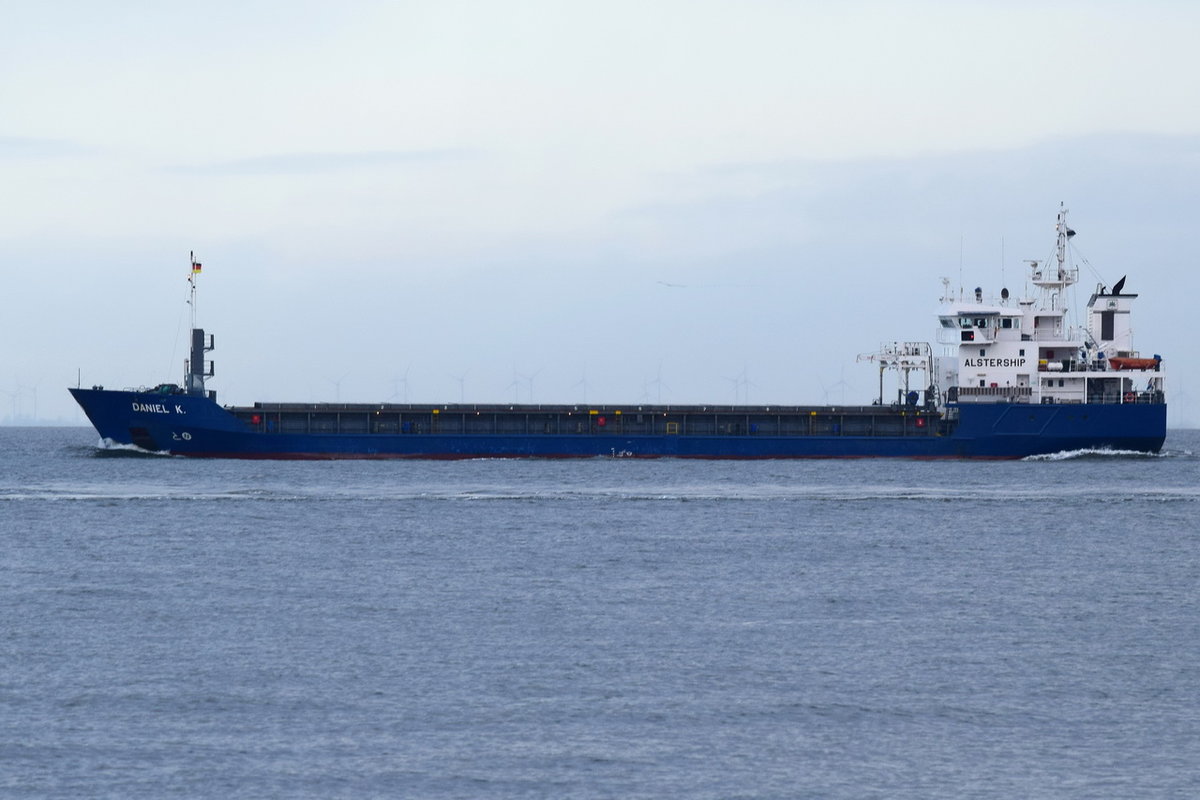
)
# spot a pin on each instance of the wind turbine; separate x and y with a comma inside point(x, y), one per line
point(841, 384)
point(337, 387)
point(1181, 405)
point(741, 386)
point(461, 384)
point(396, 385)
point(529, 380)
point(658, 384)
point(583, 381)
point(14, 396)
point(737, 388)
point(515, 386)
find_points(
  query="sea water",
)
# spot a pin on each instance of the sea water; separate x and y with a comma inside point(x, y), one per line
point(597, 628)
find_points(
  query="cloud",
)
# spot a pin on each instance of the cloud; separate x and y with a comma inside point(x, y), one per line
point(310, 163)
point(20, 147)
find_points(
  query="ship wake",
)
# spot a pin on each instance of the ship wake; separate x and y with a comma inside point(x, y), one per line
point(1093, 453)
point(109, 448)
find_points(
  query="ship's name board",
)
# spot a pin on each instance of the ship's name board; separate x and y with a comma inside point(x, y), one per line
point(156, 408)
point(994, 362)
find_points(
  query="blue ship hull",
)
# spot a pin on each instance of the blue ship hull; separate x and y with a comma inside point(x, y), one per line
point(195, 425)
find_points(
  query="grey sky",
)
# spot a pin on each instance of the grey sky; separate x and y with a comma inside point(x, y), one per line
point(692, 201)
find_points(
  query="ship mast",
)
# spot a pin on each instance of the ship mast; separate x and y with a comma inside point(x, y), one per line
point(1054, 279)
point(192, 273)
point(194, 368)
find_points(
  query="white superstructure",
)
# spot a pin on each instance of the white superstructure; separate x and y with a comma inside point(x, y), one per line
point(1027, 351)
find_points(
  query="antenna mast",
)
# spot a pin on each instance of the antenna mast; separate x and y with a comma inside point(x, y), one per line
point(195, 371)
point(195, 270)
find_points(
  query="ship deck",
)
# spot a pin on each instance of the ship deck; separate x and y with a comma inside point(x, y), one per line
point(640, 420)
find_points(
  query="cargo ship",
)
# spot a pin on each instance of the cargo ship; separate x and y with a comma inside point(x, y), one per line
point(1013, 377)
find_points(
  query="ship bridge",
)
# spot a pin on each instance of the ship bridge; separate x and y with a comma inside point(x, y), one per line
point(1028, 352)
point(977, 323)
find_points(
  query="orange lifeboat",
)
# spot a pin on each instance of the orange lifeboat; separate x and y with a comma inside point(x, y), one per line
point(1133, 363)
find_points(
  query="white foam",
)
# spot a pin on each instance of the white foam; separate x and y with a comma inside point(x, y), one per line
point(1089, 452)
point(109, 444)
